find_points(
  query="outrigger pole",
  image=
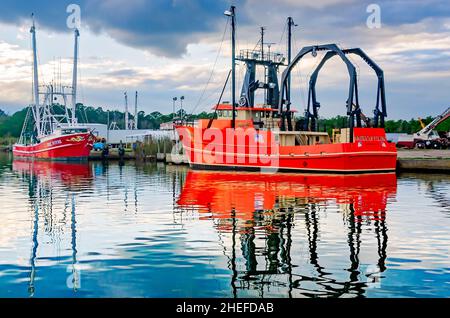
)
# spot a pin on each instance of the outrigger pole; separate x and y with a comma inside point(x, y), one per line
point(74, 79)
point(36, 108)
point(136, 111)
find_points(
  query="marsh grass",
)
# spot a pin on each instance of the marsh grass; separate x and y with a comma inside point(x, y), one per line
point(151, 146)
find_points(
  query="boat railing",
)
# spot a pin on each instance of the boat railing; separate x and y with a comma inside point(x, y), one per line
point(273, 57)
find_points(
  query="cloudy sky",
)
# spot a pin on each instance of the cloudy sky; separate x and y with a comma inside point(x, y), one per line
point(167, 48)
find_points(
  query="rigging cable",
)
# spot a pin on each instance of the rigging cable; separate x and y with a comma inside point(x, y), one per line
point(298, 72)
point(214, 66)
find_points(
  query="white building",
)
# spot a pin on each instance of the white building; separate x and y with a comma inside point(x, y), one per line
point(115, 136)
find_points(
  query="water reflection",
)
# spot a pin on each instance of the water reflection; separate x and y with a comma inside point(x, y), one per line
point(42, 178)
point(261, 211)
point(109, 230)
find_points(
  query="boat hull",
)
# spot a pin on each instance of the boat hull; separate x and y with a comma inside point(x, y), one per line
point(74, 147)
point(369, 153)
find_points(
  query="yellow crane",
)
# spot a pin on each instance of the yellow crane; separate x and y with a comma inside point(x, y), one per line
point(422, 124)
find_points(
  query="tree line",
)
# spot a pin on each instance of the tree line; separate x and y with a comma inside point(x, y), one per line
point(11, 125)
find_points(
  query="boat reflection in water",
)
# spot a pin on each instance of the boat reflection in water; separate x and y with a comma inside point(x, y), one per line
point(43, 178)
point(277, 225)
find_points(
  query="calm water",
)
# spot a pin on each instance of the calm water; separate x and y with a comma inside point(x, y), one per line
point(71, 230)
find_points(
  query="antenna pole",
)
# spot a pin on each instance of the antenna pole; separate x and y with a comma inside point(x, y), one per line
point(36, 111)
point(233, 62)
point(262, 57)
point(262, 43)
point(75, 77)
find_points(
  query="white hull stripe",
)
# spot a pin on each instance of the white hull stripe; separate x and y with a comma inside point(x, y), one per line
point(290, 168)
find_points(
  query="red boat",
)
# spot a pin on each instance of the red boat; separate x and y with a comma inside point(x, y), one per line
point(50, 135)
point(63, 144)
point(253, 137)
point(221, 146)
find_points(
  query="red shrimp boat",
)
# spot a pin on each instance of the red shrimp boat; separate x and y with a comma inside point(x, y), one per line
point(252, 137)
point(253, 149)
point(46, 134)
point(64, 144)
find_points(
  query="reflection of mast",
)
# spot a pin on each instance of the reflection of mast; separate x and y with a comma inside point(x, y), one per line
point(286, 249)
point(311, 222)
point(34, 248)
point(312, 229)
point(73, 227)
point(275, 245)
point(354, 243)
point(233, 255)
point(135, 196)
point(267, 212)
point(382, 238)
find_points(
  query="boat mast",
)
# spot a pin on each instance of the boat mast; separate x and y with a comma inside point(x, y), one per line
point(233, 63)
point(135, 111)
point(74, 79)
point(290, 23)
point(126, 110)
point(36, 108)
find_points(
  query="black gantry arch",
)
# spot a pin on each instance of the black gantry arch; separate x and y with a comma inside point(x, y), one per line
point(286, 114)
point(379, 115)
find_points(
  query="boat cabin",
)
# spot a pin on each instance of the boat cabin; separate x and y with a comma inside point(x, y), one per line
point(263, 117)
point(74, 130)
point(66, 129)
point(266, 118)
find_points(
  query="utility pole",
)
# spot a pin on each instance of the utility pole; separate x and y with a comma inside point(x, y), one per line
point(174, 114)
point(181, 108)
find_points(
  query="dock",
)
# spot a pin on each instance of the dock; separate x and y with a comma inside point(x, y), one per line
point(423, 160)
point(5, 148)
